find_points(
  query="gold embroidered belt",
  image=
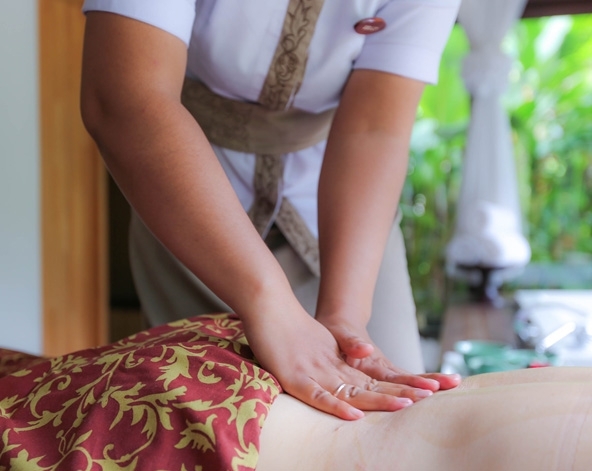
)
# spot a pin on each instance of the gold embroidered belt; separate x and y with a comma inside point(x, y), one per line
point(271, 128)
point(250, 127)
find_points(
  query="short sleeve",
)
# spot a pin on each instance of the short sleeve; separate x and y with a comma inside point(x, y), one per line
point(413, 40)
point(174, 16)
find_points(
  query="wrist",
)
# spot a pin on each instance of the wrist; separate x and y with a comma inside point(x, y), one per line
point(344, 297)
point(344, 312)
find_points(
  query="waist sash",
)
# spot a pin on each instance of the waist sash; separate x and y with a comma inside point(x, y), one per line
point(251, 127)
point(270, 128)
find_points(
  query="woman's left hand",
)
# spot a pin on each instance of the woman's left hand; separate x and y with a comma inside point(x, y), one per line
point(361, 353)
point(361, 180)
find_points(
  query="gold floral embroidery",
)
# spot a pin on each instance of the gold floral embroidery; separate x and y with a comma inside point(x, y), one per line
point(270, 127)
point(281, 86)
point(191, 386)
point(288, 65)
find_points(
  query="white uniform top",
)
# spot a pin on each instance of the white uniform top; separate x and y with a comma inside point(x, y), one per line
point(231, 44)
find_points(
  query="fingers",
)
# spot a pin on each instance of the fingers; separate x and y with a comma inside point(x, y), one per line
point(369, 360)
point(350, 392)
point(414, 381)
point(354, 346)
point(378, 367)
point(375, 395)
point(446, 381)
point(323, 400)
point(430, 381)
point(348, 401)
point(393, 389)
point(361, 354)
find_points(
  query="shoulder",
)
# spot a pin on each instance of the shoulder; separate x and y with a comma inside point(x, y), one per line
point(412, 42)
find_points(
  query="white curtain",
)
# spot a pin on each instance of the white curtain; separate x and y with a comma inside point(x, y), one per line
point(489, 222)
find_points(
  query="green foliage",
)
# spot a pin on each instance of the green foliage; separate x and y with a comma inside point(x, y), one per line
point(552, 119)
point(549, 101)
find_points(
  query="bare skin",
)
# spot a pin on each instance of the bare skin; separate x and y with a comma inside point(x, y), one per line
point(164, 165)
point(539, 419)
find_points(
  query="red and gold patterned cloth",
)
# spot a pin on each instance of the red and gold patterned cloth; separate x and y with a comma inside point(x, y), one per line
point(186, 396)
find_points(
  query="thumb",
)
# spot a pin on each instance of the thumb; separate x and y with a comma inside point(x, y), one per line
point(350, 344)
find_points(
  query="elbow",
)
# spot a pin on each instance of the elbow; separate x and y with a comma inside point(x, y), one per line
point(93, 113)
point(105, 121)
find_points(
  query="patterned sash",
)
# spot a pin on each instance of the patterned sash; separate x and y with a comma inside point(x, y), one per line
point(272, 129)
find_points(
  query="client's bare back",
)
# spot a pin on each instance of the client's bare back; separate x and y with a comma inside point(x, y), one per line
point(526, 420)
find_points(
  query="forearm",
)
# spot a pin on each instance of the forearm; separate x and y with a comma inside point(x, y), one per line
point(359, 190)
point(131, 85)
point(361, 180)
point(175, 183)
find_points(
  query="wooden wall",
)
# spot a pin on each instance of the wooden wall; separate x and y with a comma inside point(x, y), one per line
point(536, 8)
point(73, 189)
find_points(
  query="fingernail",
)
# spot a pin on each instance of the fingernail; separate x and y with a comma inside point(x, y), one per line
point(405, 402)
point(423, 393)
point(356, 413)
point(434, 383)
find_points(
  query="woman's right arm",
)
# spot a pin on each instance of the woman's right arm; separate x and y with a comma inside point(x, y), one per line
point(156, 152)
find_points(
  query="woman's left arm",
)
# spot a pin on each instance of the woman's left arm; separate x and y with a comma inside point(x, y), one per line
point(363, 172)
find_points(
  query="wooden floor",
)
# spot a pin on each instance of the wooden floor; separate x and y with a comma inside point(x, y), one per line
point(464, 320)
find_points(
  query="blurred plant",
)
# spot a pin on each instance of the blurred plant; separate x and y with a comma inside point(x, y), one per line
point(550, 105)
point(551, 110)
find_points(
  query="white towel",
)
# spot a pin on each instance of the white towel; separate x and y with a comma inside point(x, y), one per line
point(489, 218)
point(489, 236)
point(488, 249)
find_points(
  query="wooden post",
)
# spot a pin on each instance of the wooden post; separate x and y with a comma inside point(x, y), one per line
point(73, 190)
